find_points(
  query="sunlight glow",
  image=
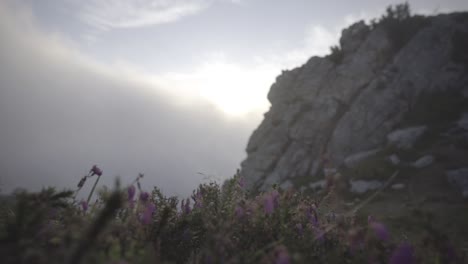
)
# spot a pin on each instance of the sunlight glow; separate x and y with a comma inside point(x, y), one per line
point(234, 90)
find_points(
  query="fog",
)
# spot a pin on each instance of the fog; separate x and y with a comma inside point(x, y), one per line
point(61, 112)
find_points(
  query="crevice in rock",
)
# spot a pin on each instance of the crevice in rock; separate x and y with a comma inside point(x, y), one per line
point(272, 167)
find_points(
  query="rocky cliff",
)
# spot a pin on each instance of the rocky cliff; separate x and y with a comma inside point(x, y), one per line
point(394, 95)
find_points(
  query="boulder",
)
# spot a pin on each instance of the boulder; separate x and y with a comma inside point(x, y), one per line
point(459, 179)
point(405, 138)
point(361, 186)
point(353, 160)
point(423, 162)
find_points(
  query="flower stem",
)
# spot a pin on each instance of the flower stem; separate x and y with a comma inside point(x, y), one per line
point(92, 190)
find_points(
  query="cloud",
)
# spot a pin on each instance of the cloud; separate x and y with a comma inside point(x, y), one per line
point(138, 13)
point(61, 112)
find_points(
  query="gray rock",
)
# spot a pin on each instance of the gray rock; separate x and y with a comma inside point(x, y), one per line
point(405, 138)
point(353, 36)
point(339, 110)
point(361, 186)
point(286, 185)
point(463, 122)
point(423, 162)
point(459, 179)
point(317, 185)
point(394, 159)
point(398, 186)
point(353, 160)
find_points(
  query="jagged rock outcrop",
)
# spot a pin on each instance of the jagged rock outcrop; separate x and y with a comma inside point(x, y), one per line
point(340, 108)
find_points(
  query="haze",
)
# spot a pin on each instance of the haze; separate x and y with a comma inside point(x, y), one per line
point(171, 89)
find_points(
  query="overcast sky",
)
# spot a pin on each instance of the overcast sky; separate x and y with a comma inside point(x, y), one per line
point(169, 88)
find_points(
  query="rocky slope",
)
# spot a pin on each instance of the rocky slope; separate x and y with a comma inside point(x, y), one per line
point(394, 97)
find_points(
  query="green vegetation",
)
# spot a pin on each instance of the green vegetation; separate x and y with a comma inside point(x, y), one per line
point(400, 24)
point(217, 224)
point(336, 55)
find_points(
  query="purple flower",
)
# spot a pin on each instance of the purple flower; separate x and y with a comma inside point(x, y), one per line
point(282, 256)
point(144, 196)
point(186, 207)
point(239, 212)
point(356, 240)
point(380, 231)
point(312, 216)
point(147, 215)
point(241, 182)
point(198, 197)
point(95, 171)
point(319, 234)
point(131, 192)
point(403, 254)
point(300, 229)
point(271, 202)
point(84, 206)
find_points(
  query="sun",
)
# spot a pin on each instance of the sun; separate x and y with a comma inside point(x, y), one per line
point(236, 91)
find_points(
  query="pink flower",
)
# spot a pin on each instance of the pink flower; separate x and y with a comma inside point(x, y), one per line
point(84, 206)
point(95, 171)
point(147, 215)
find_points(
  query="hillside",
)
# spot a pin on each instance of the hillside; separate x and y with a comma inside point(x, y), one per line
point(392, 100)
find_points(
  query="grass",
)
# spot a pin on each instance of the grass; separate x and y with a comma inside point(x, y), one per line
point(217, 224)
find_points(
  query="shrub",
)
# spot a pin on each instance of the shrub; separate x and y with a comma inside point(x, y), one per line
point(215, 225)
point(336, 55)
point(400, 25)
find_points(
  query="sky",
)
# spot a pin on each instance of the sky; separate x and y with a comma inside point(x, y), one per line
point(169, 88)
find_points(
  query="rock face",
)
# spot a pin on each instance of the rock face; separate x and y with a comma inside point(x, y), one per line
point(347, 110)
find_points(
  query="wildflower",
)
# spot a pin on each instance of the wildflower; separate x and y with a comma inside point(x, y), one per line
point(300, 229)
point(239, 212)
point(379, 229)
point(355, 239)
point(319, 234)
point(144, 196)
point(82, 182)
point(282, 256)
point(147, 215)
point(198, 199)
point(95, 171)
point(311, 214)
point(185, 206)
point(271, 202)
point(131, 192)
point(241, 182)
point(84, 206)
point(403, 254)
